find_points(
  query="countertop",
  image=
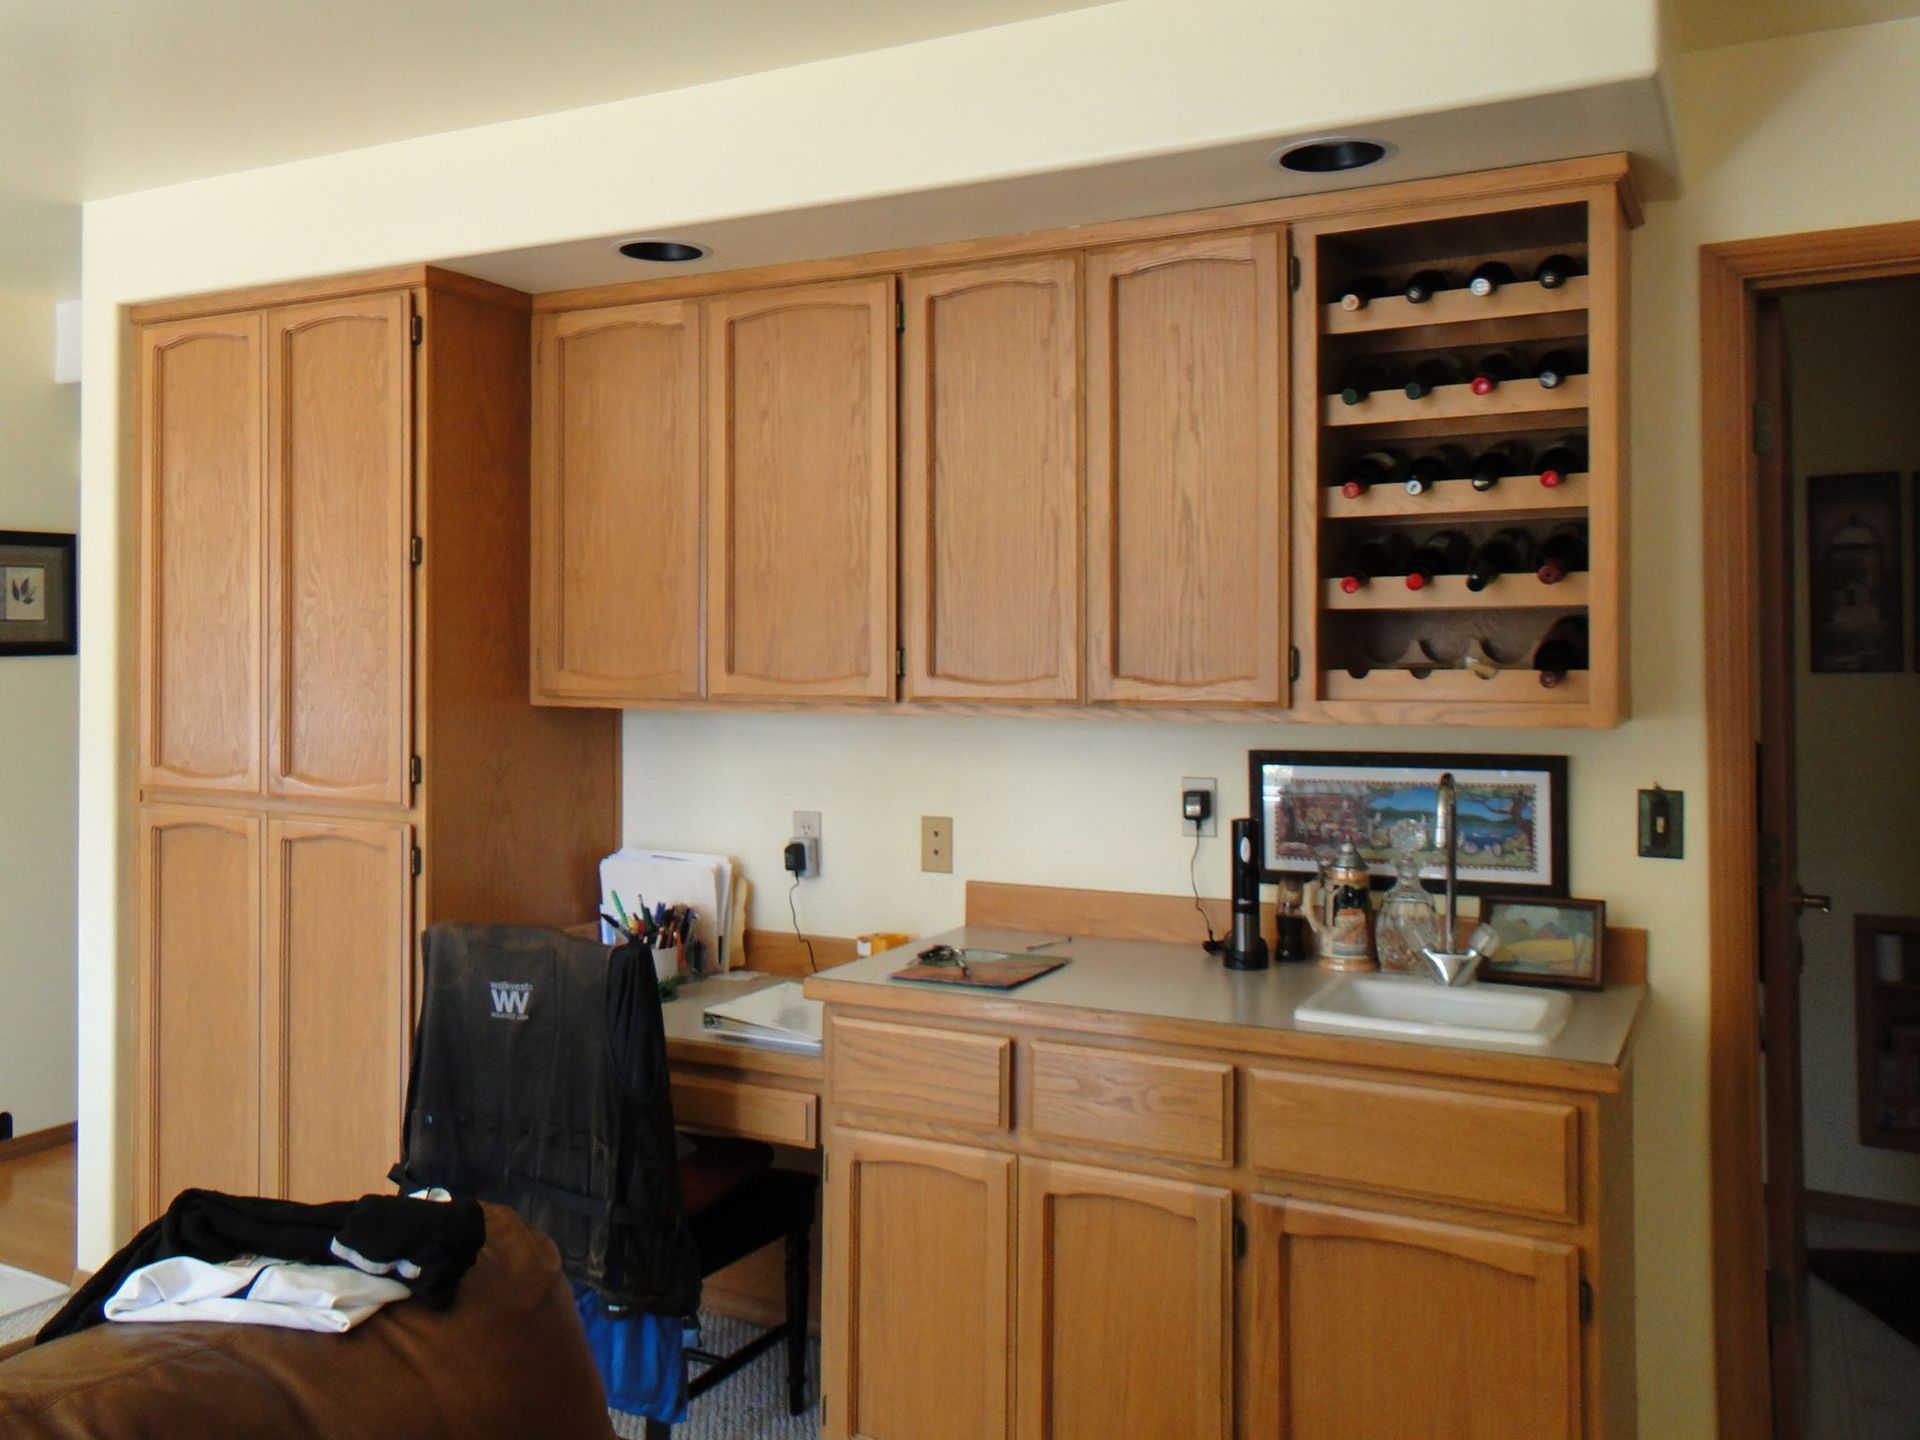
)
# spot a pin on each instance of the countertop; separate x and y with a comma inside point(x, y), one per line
point(1149, 988)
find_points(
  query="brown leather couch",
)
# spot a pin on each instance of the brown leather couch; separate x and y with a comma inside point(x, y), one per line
point(507, 1361)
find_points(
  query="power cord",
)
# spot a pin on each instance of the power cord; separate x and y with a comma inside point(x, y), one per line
point(794, 910)
point(1213, 946)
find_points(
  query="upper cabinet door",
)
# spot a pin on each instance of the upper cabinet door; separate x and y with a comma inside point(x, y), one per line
point(800, 534)
point(618, 483)
point(990, 482)
point(200, 554)
point(1186, 524)
point(340, 511)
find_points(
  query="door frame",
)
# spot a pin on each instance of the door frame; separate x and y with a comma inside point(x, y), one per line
point(1733, 279)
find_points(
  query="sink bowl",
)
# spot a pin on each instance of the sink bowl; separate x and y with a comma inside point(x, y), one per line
point(1412, 1008)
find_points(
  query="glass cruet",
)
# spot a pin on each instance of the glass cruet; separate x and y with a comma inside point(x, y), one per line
point(1408, 920)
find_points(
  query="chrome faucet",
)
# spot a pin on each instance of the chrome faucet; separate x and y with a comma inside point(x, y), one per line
point(1450, 966)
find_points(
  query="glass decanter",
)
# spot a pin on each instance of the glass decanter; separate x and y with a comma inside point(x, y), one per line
point(1409, 921)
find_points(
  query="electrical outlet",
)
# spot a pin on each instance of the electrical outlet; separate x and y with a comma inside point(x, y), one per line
point(806, 824)
point(936, 844)
point(1210, 825)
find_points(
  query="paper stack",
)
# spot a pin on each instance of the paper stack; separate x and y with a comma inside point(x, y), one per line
point(642, 878)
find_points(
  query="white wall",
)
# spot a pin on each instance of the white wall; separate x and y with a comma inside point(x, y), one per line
point(1855, 407)
point(39, 490)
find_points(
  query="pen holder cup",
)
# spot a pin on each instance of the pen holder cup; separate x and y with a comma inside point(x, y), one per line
point(668, 961)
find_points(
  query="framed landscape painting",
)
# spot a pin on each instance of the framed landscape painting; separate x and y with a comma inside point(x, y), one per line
point(1546, 942)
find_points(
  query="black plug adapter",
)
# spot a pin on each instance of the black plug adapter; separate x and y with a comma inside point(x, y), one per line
point(794, 859)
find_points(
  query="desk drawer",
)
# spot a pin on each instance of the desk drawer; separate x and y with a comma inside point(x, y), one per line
point(951, 1077)
point(755, 1112)
point(1124, 1101)
point(1488, 1151)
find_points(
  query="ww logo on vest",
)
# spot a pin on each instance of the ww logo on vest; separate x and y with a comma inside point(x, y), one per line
point(510, 999)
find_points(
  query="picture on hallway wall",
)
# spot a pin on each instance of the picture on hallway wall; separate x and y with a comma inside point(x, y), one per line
point(37, 610)
point(1854, 565)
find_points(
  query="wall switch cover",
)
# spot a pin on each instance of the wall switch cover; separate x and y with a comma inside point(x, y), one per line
point(1663, 824)
point(1211, 825)
point(936, 844)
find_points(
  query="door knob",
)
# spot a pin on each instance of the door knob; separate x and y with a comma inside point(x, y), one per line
point(1801, 900)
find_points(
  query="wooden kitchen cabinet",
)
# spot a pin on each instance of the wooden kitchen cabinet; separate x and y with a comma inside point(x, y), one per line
point(618, 488)
point(1124, 1301)
point(990, 482)
point(1186, 489)
point(1369, 1323)
point(800, 456)
point(917, 1344)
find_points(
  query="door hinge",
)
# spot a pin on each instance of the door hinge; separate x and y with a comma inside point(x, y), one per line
point(899, 662)
point(899, 317)
point(1239, 1238)
point(1770, 861)
point(1766, 427)
point(415, 770)
point(1293, 272)
point(1586, 1303)
point(419, 328)
point(417, 550)
point(826, 1165)
point(1779, 1301)
point(415, 862)
point(1293, 662)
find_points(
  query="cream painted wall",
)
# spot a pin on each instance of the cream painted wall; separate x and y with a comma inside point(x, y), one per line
point(1855, 407)
point(39, 490)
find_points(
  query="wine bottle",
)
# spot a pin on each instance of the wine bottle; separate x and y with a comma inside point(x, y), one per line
point(1444, 462)
point(1505, 552)
point(1489, 277)
point(1566, 456)
point(1491, 370)
point(1496, 463)
point(1429, 374)
point(1361, 293)
point(1422, 287)
point(1371, 556)
point(1376, 467)
point(1363, 380)
point(1562, 650)
point(1444, 553)
point(1553, 368)
point(1561, 553)
point(1556, 270)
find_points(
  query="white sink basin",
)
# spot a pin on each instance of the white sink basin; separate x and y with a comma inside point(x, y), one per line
point(1413, 1008)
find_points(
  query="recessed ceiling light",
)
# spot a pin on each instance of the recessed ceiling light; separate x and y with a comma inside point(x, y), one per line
point(664, 252)
point(1320, 157)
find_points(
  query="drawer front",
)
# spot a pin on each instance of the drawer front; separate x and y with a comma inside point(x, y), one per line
point(947, 1076)
point(1123, 1101)
point(755, 1112)
point(1488, 1151)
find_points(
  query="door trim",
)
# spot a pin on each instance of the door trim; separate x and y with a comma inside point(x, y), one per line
point(1733, 277)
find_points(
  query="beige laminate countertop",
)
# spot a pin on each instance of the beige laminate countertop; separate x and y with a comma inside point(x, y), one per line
point(1152, 989)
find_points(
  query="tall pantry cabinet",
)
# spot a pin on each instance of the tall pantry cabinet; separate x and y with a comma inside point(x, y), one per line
point(334, 744)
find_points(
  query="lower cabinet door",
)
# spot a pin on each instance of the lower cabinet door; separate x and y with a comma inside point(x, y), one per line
point(1367, 1324)
point(339, 939)
point(1125, 1307)
point(916, 1290)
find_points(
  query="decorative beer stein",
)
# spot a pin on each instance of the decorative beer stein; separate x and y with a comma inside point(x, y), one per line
point(1340, 910)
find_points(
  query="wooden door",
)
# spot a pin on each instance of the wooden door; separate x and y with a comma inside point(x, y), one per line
point(1369, 1324)
point(339, 571)
point(1125, 1308)
point(918, 1260)
point(198, 1004)
point(1186, 521)
point(618, 486)
point(800, 542)
point(990, 488)
point(201, 511)
point(337, 962)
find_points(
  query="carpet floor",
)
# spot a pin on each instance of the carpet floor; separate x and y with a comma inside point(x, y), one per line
point(751, 1405)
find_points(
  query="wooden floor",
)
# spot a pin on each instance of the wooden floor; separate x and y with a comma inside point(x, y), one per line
point(37, 1213)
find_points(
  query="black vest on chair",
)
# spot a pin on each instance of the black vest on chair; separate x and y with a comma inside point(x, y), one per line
point(540, 1082)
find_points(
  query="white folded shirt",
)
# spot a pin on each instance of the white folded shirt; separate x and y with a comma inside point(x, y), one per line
point(328, 1298)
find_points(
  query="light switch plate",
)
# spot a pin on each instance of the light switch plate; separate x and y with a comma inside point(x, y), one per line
point(1663, 824)
point(936, 844)
point(1211, 825)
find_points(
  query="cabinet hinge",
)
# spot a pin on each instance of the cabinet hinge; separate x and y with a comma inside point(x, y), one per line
point(899, 662)
point(1586, 1303)
point(415, 862)
point(1293, 662)
point(899, 317)
point(826, 1165)
point(1239, 1239)
point(1766, 427)
point(419, 328)
point(415, 770)
point(417, 550)
point(1293, 272)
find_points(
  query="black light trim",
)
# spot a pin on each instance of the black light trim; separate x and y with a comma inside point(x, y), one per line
point(662, 252)
point(1321, 157)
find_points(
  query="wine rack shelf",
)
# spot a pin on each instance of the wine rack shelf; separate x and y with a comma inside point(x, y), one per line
point(1455, 687)
point(1517, 497)
point(1516, 398)
point(1449, 592)
point(1394, 312)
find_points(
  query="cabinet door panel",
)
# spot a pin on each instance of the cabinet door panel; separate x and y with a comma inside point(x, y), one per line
point(1125, 1319)
point(918, 1263)
point(801, 549)
point(618, 484)
point(200, 554)
point(1185, 521)
point(338, 960)
point(199, 1004)
point(340, 510)
point(990, 485)
point(1373, 1324)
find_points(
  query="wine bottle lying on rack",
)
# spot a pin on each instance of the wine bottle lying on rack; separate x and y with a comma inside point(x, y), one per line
point(1444, 462)
point(1430, 374)
point(1562, 552)
point(1491, 370)
point(1444, 553)
point(1556, 270)
point(1489, 277)
point(1424, 286)
point(1505, 552)
point(1496, 463)
point(1362, 293)
point(1562, 650)
point(1553, 368)
point(1376, 467)
point(1566, 456)
point(1371, 556)
point(1364, 379)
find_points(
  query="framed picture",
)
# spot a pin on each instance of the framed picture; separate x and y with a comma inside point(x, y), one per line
point(37, 594)
point(1545, 942)
point(1856, 616)
point(1512, 813)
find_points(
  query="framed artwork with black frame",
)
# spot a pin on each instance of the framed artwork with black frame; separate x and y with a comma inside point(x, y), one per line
point(1512, 813)
point(1856, 615)
point(38, 593)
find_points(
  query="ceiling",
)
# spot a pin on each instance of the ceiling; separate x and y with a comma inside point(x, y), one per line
point(106, 97)
point(1704, 24)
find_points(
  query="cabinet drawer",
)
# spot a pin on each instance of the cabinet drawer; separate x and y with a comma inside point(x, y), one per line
point(1488, 1151)
point(1124, 1101)
point(755, 1112)
point(947, 1076)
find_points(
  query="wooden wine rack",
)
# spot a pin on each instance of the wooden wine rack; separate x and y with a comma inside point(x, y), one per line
point(1353, 646)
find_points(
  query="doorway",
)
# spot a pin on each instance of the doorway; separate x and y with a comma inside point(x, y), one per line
point(1811, 391)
